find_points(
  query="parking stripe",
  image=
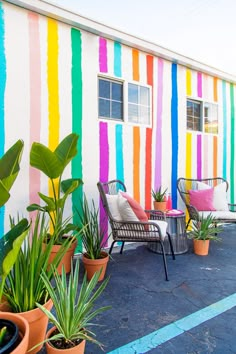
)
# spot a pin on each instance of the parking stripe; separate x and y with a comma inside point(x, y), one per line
point(162, 335)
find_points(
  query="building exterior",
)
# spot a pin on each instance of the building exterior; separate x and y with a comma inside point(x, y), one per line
point(144, 114)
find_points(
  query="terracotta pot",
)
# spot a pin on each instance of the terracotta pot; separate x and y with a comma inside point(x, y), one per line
point(4, 305)
point(93, 265)
point(23, 329)
point(66, 259)
point(201, 247)
point(159, 205)
point(38, 323)
point(79, 349)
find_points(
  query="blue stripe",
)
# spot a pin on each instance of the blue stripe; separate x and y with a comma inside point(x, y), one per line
point(162, 335)
point(2, 94)
point(117, 59)
point(119, 153)
point(224, 129)
point(174, 135)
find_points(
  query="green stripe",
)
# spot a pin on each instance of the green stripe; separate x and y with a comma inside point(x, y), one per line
point(232, 153)
point(76, 77)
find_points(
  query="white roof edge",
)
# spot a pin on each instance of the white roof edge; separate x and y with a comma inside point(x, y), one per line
point(52, 10)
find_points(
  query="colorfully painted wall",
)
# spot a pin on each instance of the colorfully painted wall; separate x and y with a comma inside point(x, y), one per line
point(49, 88)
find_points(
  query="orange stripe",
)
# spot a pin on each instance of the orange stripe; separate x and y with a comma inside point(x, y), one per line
point(135, 56)
point(136, 162)
point(215, 156)
point(215, 89)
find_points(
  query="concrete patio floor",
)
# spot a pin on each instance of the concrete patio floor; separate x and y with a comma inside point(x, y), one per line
point(194, 312)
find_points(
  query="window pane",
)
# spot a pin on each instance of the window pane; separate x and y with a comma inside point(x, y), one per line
point(104, 88)
point(144, 115)
point(133, 113)
point(117, 110)
point(117, 92)
point(144, 96)
point(133, 93)
point(104, 108)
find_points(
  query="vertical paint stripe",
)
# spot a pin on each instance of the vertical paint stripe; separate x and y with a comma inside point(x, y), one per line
point(104, 168)
point(148, 157)
point(77, 109)
point(199, 156)
point(119, 153)
point(174, 135)
point(232, 140)
point(225, 155)
point(215, 156)
point(188, 82)
point(158, 144)
point(2, 100)
point(103, 55)
point(206, 157)
point(188, 171)
point(215, 89)
point(135, 57)
point(53, 84)
point(117, 59)
point(35, 100)
point(199, 84)
point(136, 162)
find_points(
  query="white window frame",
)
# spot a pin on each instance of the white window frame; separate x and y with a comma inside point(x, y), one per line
point(203, 104)
point(140, 84)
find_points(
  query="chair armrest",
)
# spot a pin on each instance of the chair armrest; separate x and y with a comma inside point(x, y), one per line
point(232, 207)
point(193, 212)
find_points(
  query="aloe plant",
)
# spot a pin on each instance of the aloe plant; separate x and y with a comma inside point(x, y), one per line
point(158, 195)
point(53, 164)
point(205, 229)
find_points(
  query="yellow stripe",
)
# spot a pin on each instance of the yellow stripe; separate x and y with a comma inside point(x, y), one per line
point(188, 82)
point(188, 155)
point(53, 85)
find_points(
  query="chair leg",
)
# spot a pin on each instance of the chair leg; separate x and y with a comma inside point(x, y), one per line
point(122, 246)
point(171, 245)
point(110, 250)
point(164, 260)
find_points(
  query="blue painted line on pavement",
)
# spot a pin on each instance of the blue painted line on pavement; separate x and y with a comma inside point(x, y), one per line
point(162, 335)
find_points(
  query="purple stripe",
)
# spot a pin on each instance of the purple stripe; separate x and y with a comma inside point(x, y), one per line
point(158, 159)
point(104, 170)
point(199, 156)
point(103, 55)
point(199, 84)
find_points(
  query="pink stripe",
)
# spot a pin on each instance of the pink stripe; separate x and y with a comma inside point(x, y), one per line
point(35, 100)
point(199, 84)
point(104, 170)
point(199, 156)
point(158, 157)
point(103, 55)
point(206, 156)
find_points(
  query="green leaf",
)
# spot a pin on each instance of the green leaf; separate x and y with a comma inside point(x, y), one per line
point(49, 201)
point(4, 194)
point(67, 149)
point(70, 185)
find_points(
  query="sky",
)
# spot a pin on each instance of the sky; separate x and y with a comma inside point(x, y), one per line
point(203, 30)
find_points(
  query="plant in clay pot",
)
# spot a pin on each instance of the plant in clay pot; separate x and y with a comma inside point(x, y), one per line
point(94, 239)
point(159, 199)
point(202, 231)
point(53, 165)
point(74, 310)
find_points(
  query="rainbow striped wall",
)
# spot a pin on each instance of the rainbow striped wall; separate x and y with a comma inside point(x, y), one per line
point(48, 88)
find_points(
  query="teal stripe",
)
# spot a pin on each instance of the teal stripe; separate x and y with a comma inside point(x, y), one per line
point(117, 59)
point(76, 77)
point(162, 335)
point(224, 129)
point(231, 182)
point(2, 94)
point(119, 153)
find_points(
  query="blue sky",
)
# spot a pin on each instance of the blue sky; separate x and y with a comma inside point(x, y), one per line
point(200, 29)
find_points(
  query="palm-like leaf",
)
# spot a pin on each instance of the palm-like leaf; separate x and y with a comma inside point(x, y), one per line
point(67, 149)
point(205, 228)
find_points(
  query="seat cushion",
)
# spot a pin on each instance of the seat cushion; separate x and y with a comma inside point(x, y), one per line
point(162, 225)
point(136, 207)
point(220, 201)
point(202, 199)
point(220, 214)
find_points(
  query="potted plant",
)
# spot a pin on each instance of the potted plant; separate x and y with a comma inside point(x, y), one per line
point(202, 231)
point(159, 199)
point(23, 285)
point(93, 239)
point(53, 164)
point(74, 310)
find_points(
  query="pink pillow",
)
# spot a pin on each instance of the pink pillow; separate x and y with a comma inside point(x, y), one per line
point(136, 207)
point(202, 199)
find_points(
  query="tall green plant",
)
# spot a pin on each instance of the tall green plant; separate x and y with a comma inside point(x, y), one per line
point(205, 229)
point(158, 195)
point(53, 164)
point(73, 305)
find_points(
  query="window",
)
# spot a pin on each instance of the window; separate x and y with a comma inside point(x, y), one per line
point(138, 104)
point(110, 98)
point(202, 116)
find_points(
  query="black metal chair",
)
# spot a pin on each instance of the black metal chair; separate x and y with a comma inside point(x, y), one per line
point(133, 231)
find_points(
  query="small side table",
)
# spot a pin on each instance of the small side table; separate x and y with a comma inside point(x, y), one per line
point(177, 230)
